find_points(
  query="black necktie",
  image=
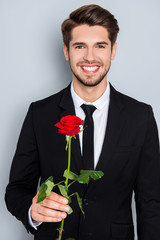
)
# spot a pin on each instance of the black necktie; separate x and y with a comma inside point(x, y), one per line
point(88, 138)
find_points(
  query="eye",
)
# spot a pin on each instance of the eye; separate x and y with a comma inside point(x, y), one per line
point(79, 47)
point(100, 46)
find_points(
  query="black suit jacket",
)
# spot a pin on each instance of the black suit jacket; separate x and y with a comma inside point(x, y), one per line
point(129, 160)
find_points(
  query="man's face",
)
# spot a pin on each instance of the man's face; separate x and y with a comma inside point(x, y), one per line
point(90, 54)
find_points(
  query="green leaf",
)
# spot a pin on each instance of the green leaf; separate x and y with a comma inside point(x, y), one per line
point(69, 200)
point(72, 176)
point(63, 190)
point(42, 193)
point(67, 139)
point(45, 189)
point(83, 178)
point(85, 174)
point(96, 175)
point(70, 211)
point(49, 179)
point(79, 200)
point(50, 185)
point(93, 174)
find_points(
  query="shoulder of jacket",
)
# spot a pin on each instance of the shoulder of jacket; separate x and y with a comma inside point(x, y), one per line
point(50, 101)
point(129, 101)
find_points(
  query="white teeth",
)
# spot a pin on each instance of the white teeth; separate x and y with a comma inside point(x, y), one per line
point(90, 68)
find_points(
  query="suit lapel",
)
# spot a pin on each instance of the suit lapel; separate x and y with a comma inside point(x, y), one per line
point(114, 125)
point(67, 108)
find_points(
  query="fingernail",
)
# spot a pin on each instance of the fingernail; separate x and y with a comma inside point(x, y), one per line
point(65, 201)
point(67, 208)
point(63, 215)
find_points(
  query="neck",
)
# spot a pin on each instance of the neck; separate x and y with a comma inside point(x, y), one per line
point(90, 94)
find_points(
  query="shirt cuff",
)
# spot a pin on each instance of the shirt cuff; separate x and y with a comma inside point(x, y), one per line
point(34, 224)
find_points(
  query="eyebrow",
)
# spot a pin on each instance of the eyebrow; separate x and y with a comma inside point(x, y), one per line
point(82, 43)
point(105, 43)
point(78, 43)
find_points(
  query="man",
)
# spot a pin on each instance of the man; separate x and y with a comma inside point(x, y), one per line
point(126, 146)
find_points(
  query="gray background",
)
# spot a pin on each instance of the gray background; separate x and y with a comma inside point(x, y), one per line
point(32, 67)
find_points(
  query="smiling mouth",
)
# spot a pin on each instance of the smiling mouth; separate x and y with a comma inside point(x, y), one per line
point(90, 69)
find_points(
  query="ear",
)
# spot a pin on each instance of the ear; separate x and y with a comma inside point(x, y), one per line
point(65, 50)
point(114, 49)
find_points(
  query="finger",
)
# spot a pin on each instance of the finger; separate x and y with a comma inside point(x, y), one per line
point(55, 205)
point(50, 205)
point(58, 198)
point(34, 200)
point(41, 213)
point(50, 212)
point(41, 218)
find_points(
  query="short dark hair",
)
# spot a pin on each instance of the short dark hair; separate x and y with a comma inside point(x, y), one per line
point(91, 15)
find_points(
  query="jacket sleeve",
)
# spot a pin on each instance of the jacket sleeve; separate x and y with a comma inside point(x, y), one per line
point(24, 174)
point(147, 187)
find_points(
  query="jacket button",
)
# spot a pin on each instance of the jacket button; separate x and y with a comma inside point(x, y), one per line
point(85, 201)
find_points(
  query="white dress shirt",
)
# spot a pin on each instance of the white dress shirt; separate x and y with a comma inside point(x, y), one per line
point(100, 116)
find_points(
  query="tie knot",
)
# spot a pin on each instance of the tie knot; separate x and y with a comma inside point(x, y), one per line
point(88, 109)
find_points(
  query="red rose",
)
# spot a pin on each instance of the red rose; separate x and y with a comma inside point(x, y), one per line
point(69, 125)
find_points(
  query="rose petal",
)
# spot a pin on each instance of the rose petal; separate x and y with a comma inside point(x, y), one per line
point(69, 125)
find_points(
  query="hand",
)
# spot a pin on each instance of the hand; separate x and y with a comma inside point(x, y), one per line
point(53, 208)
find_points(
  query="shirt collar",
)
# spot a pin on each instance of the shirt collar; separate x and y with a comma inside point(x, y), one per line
point(99, 103)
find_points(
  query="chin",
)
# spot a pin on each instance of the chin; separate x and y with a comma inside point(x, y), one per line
point(90, 83)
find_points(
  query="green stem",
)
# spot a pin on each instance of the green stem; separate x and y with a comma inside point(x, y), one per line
point(61, 229)
point(66, 182)
point(58, 183)
point(71, 183)
point(69, 160)
point(71, 195)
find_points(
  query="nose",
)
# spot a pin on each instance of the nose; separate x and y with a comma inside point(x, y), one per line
point(89, 55)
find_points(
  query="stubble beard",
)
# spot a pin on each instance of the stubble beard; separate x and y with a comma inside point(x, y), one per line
point(90, 83)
